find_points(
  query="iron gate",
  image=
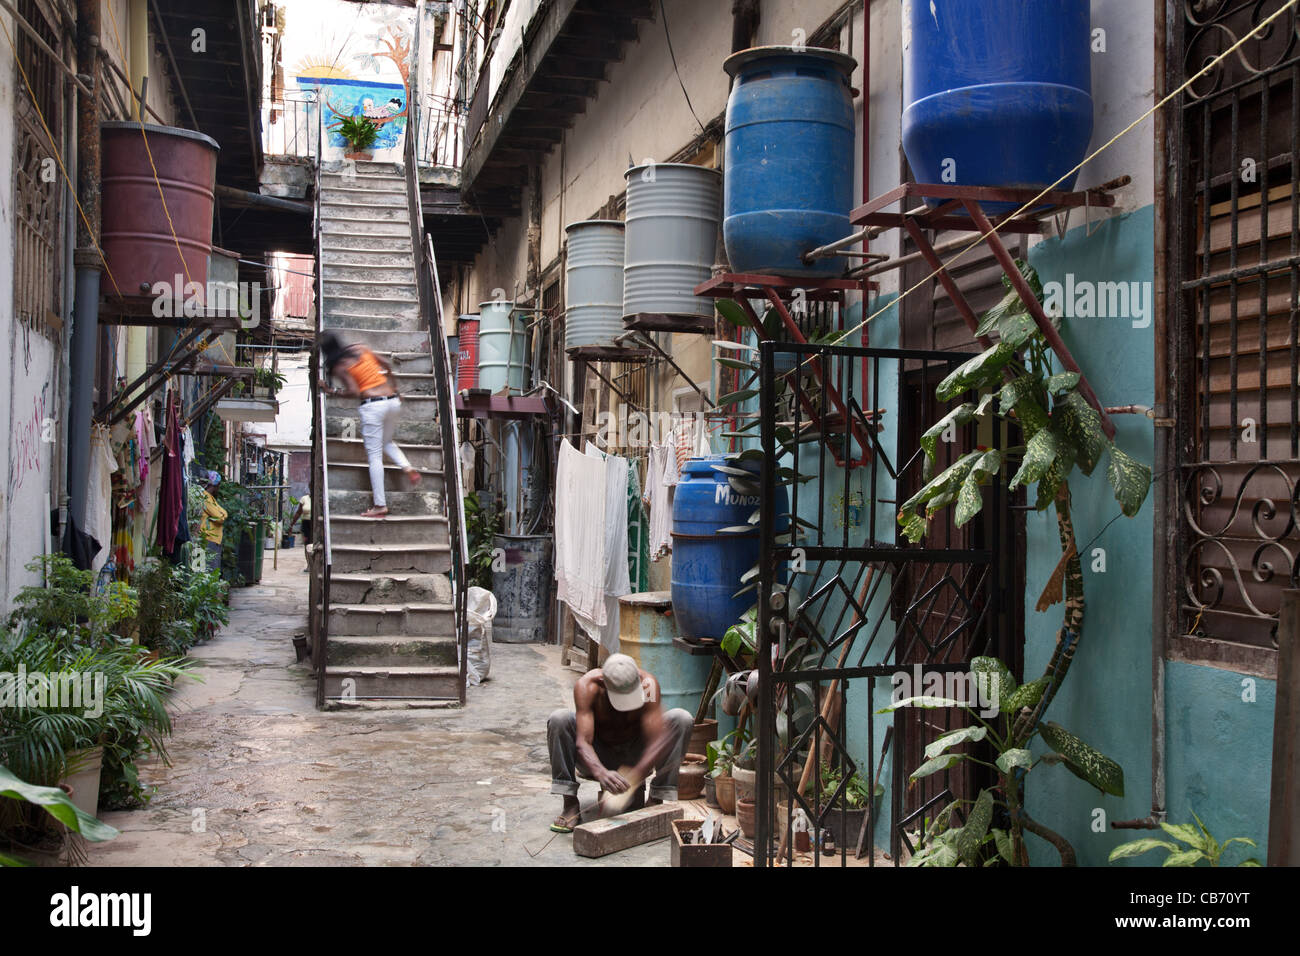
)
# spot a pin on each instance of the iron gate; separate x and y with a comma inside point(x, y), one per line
point(847, 607)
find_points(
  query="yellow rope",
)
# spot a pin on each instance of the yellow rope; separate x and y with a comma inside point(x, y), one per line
point(1033, 202)
point(54, 149)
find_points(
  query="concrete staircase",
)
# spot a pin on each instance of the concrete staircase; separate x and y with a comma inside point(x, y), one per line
point(391, 618)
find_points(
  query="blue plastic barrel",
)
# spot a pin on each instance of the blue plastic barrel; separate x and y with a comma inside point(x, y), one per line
point(708, 566)
point(996, 92)
point(789, 156)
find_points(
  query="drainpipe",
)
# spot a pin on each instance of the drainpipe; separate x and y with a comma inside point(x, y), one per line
point(1164, 570)
point(137, 337)
point(85, 320)
point(744, 21)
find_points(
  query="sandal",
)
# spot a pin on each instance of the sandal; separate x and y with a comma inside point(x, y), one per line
point(561, 825)
point(374, 512)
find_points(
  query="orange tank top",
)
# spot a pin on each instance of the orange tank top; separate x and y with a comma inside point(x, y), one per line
point(367, 371)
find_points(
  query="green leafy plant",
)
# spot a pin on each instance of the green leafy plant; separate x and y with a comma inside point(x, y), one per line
point(161, 622)
point(204, 598)
point(482, 523)
point(949, 843)
point(57, 805)
point(1063, 433)
point(1200, 846)
point(736, 749)
point(358, 132)
point(857, 795)
point(70, 601)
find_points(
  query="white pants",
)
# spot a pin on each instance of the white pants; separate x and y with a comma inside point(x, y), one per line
point(378, 423)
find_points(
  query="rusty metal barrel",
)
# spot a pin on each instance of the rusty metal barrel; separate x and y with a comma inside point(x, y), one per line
point(143, 210)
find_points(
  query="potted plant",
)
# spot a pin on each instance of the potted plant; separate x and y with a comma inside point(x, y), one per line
point(359, 134)
point(720, 763)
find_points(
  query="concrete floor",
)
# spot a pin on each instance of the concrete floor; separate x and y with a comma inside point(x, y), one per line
point(259, 776)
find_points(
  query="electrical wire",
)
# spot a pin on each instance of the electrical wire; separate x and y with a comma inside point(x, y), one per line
point(663, 14)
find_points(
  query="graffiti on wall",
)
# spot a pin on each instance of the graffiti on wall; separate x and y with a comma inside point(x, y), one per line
point(30, 435)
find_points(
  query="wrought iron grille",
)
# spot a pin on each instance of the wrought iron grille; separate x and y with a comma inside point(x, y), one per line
point(846, 601)
point(38, 184)
point(1234, 267)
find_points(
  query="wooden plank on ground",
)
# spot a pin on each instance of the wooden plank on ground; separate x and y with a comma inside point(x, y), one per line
point(602, 837)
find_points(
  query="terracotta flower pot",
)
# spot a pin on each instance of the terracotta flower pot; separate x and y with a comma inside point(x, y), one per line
point(690, 778)
point(725, 787)
point(745, 817)
point(704, 733)
point(744, 783)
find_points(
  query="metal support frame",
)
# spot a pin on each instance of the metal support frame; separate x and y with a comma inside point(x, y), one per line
point(741, 287)
point(947, 215)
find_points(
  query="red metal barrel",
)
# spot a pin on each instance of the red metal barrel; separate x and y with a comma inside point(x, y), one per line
point(467, 365)
point(137, 231)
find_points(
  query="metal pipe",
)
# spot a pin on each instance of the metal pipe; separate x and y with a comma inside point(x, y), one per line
point(85, 320)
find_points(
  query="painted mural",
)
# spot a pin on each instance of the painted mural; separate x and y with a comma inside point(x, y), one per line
point(354, 64)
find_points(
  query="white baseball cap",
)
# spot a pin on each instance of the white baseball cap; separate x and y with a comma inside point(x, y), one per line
point(623, 682)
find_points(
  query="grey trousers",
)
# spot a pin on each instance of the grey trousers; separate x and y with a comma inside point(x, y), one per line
point(562, 741)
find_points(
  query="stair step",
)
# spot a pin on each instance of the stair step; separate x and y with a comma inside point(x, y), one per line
point(353, 476)
point(364, 212)
point(391, 683)
point(400, 529)
point(385, 650)
point(390, 588)
point(335, 227)
point(337, 319)
point(394, 289)
point(406, 341)
point(421, 558)
point(416, 406)
point(335, 192)
point(412, 431)
point(335, 245)
point(378, 620)
point(360, 272)
point(352, 502)
point(352, 449)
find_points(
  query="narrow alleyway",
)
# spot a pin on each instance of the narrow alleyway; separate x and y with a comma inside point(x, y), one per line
point(259, 776)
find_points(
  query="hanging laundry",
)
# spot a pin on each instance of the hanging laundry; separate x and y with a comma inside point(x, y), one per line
point(144, 445)
point(638, 532)
point(580, 484)
point(617, 575)
point(172, 484)
point(663, 460)
point(99, 495)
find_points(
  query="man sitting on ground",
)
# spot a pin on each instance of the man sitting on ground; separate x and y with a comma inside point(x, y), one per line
point(617, 736)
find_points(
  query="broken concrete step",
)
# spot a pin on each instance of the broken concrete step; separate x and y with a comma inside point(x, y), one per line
point(390, 588)
point(352, 503)
point(355, 683)
point(388, 290)
point(353, 476)
point(424, 457)
point(385, 650)
point(421, 558)
point(375, 620)
point(399, 529)
point(363, 167)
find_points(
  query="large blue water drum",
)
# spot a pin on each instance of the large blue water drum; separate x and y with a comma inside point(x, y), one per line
point(708, 566)
point(996, 92)
point(789, 155)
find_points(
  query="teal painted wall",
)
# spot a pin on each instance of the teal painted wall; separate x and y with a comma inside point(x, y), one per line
point(1220, 748)
point(1106, 696)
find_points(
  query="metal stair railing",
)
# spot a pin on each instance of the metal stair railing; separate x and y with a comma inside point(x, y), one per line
point(429, 296)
